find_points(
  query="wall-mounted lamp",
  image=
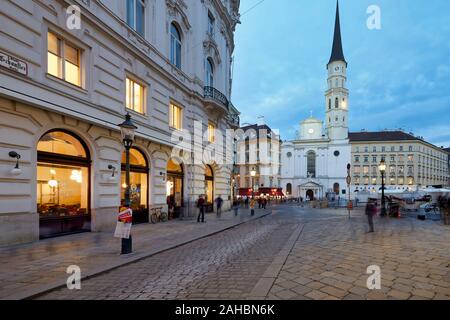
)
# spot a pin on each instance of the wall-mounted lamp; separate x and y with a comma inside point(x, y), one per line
point(16, 170)
point(113, 176)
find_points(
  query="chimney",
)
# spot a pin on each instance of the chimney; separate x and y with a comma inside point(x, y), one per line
point(261, 121)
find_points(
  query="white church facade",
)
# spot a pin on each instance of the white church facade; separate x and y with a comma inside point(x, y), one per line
point(314, 164)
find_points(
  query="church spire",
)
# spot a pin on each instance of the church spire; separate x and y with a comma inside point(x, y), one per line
point(337, 53)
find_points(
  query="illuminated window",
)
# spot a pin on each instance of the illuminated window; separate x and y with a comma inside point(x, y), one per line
point(134, 96)
point(175, 114)
point(136, 15)
point(211, 133)
point(63, 60)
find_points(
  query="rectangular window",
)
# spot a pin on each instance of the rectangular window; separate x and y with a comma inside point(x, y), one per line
point(374, 159)
point(401, 148)
point(134, 96)
point(63, 60)
point(366, 170)
point(374, 149)
point(356, 158)
point(211, 133)
point(358, 169)
point(410, 158)
point(136, 15)
point(175, 114)
point(383, 149)
point(374, 181)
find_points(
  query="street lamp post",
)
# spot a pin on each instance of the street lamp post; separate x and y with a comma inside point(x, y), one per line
point(382, 168)
point(127, 129)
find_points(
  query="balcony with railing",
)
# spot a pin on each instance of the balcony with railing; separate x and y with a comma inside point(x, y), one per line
point(217, 97)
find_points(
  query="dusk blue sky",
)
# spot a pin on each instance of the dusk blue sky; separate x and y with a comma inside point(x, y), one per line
point(398, 77)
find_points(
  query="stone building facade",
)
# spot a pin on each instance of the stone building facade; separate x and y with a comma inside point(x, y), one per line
point(68, 77)
point(411, 162)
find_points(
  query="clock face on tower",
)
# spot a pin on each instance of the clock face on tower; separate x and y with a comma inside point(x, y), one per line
point(336, 68)
point(311, 131)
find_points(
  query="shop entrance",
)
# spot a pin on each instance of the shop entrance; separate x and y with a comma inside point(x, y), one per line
point(138, 185)
point(174, 188)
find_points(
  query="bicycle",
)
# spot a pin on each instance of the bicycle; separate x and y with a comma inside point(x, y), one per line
point(158, 216)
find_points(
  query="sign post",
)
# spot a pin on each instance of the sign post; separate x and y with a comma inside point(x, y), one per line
point(123, 227)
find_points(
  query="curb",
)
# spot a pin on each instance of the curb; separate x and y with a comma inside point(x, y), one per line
point(34, 293)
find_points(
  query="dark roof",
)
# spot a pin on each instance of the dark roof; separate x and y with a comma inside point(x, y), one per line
point(381, 136)
point(447, 149)
point(337, 54)
point(256, 127)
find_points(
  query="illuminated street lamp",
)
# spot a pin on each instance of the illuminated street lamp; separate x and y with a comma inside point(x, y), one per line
point(128, 129)
point(382, 168)
point(253, 174)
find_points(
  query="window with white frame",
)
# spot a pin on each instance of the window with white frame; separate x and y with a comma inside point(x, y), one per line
point(134, 96)
point(136, 15)
point(209, 73)
point(175, 46)
point(63, 60)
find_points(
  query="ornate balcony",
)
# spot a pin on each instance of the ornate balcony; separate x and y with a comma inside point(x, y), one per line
point(216, 96)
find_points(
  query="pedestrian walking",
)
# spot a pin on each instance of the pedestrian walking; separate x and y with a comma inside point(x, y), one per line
point(252, 207)
point(219, 202)
point(236, 206)
point(259, 203)
point(264, 203)
point(246, 202)
point(201, 209)
point(371, 211)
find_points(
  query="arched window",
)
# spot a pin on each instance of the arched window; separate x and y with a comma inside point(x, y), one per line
point(311, 164)
point(329, 103)
point(336, 103)
point(63, 184)
point(138, 185)
point(175, 46)
point(209, 73)
point(289, 189)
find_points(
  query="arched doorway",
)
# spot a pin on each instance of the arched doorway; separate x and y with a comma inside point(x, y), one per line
point(310, 194)
point(209, 188)
point(138, 185)
point(289, 189)
point(336, 188)
point(63, 184)
point(174, 188)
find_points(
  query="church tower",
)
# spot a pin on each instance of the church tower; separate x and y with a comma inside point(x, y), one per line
point(337, 94)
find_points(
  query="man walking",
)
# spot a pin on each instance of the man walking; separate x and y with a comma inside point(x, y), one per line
point(371, 210)
point(252, 207)
point(201, 208)
point(219, 202)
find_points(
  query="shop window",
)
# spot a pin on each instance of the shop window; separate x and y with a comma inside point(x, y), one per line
point(134, 96)
point(174, 187)
point(209, 185)
point(138, 185)
point(62, 184)
point(63, 60)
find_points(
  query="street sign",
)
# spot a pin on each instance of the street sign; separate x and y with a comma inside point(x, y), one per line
point(349, 180)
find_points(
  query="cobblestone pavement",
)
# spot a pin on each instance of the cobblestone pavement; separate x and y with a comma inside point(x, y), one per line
point(330, 260)
point(223, 266)
point(29, 269)
point(327, 259)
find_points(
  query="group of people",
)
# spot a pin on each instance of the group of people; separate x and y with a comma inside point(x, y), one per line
point(246, 202)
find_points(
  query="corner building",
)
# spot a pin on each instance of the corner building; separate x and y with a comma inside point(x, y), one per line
point(64, 88)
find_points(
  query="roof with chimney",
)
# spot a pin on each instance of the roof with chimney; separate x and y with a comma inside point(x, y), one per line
point(337, 53)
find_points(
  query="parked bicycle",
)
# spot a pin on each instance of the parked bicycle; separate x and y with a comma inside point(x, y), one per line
point(158, 216)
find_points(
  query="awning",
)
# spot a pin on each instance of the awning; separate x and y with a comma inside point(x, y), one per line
point(272, 192)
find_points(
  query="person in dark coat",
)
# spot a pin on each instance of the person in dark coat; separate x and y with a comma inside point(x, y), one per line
point(201, 209)
point(371, 211)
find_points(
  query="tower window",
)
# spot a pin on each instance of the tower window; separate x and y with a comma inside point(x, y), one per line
point(336, 103)
point(329, 103)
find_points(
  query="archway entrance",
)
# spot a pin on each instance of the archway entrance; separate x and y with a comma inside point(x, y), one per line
point(209, 188)
point(174, 188)
point(336, 189)
point(63, 184)
point(310, 194)
point(138, 185)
